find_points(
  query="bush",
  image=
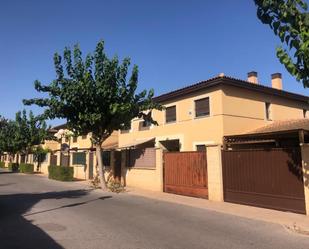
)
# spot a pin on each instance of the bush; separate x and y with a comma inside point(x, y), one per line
point(115, 185)
point(2, 164)
point(26, 168)
point(60, 173)
point(14, 167)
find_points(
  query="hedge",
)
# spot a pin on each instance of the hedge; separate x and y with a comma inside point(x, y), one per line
point(60, 173)
point(13, 167)
point(26, 168)
point(2, 164)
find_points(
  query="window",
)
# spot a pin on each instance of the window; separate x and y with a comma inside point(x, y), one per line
point(201, 147)
point(170, 114)
point(74, 139)
point(146, 123)
point(305, 113)
point(84, 136)
point(106, 158)
point(79, 158)
point(268, 111)
point(126, 129)
point(202, 107)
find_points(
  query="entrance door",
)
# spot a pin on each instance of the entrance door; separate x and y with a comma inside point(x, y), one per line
point(185, 173)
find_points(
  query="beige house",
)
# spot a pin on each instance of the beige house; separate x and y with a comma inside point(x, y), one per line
point(18, 158)
point(201, 114)
point(197, 118)
point(79, 153)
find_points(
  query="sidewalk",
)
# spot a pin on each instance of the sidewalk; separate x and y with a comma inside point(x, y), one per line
point(292, 221)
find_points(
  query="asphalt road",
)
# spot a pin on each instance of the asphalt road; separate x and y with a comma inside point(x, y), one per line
point(39, 213)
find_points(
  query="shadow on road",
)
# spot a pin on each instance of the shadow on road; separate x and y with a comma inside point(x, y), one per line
point(7, 172)
point(18, 232)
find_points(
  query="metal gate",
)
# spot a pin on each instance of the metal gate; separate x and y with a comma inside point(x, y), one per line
point(64, 160)
point(53, 159)
point(270, 178)
point(185, 173)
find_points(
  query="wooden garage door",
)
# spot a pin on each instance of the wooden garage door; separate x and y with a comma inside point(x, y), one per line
point(185, 173)
point(266, 178)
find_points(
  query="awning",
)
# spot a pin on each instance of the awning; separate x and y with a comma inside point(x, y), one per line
point(137, 142)
point(110, 146)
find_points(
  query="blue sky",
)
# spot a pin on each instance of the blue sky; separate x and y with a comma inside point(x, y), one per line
point(174, 43)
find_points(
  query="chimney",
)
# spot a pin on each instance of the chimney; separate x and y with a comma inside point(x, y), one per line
point(276, 81)
point(252, 77)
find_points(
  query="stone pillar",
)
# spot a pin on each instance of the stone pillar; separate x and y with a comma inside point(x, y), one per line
point(58, 153)
point(123, 168)
point(86, 171)
point(305, 166)
point(112, 162)
point(159, 167)
point(214, 170)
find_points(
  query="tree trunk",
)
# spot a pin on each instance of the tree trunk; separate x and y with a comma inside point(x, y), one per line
point(39, 163)
point(100, 165)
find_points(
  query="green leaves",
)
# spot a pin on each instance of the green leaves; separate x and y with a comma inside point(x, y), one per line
point(289, 20)
point(94, 94)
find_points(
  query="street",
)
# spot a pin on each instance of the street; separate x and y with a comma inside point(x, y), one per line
point(39, 213)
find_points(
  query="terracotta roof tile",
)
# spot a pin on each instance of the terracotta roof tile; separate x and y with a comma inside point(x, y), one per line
point(227, 80)
point(283, 125)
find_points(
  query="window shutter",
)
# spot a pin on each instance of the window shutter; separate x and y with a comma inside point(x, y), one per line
point(79, 158)
point(170, 114)
point(141, 158)
point(202, 107)
point(201, 147)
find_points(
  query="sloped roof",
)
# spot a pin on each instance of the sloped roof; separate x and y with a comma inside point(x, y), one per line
point(283, 125)
point(226, 80)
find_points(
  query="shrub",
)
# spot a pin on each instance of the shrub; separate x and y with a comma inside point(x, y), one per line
point(115, 185)
point(26, 168)
point(14, 167)
point(60, 173)
point(2, 164)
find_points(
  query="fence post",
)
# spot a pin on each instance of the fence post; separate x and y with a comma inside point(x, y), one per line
point(159, 167)
point(214, 172)
point(123, 168)
point(58, 153)
point(305, 167)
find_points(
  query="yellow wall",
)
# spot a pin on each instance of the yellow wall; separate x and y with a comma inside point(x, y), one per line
point(244, 110)
point(51, 144)
point(232, 111)
point(85, 143)
point(150, 179)
point(188, 129)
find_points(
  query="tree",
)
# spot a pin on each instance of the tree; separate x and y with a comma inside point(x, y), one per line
point(30, 131)
point(289, 20)
point(8, 140)
point(39, 154)
point(3, 123)
point(94, 96)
